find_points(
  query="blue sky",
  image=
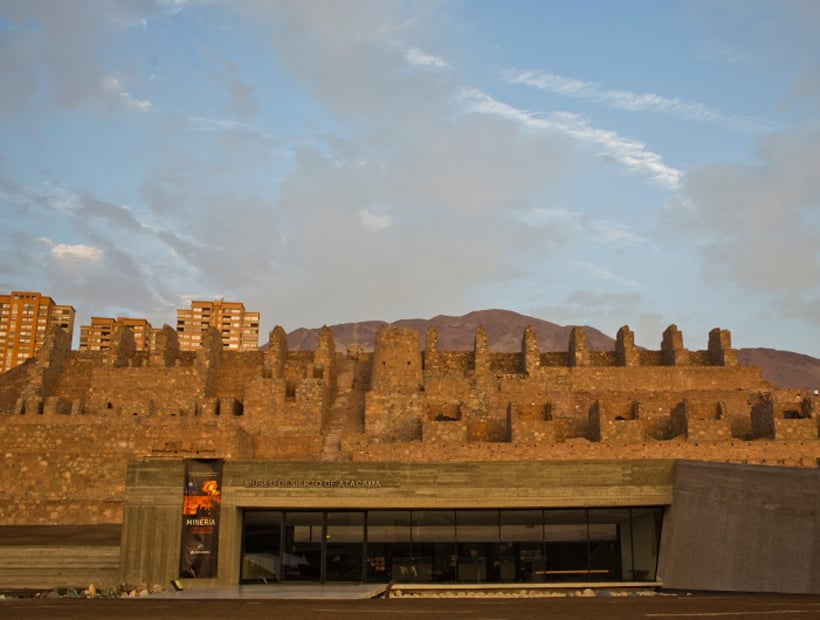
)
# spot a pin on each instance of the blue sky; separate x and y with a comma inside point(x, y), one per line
point(600, 163)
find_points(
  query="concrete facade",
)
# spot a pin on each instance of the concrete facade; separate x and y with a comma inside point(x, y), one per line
point(151, 525)
point(742, 528)
point(727, 527)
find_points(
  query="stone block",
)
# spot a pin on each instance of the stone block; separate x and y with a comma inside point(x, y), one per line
point(56, 405)
point(434, 431)
point(800, 428)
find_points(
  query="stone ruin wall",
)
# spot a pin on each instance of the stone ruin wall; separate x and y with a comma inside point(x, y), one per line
point(71, 420)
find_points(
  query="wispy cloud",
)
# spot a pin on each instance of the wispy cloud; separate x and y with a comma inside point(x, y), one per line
point(113, 86)
point(420, 58)
point(599, 230)
point(604, 273)
point(373, 221)
point(726, 53)
point(636, 102)
point(631, 154)
point(203, 123)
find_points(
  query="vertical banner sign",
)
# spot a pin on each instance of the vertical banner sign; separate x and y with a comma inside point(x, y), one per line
point(200, 517)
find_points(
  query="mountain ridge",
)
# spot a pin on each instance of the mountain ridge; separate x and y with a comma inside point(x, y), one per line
point(505, 330)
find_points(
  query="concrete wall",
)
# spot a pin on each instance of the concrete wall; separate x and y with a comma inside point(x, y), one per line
point(153, 512)
point(742, 528)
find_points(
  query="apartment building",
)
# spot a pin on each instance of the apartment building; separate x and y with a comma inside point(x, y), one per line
point(25, 317)
point(97, 336)
point(239, 328)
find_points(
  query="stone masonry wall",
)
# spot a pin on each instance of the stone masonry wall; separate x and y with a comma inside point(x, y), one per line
point(70, 421)
point(74, 472)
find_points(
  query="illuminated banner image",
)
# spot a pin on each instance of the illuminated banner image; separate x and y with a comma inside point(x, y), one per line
point(200, 517)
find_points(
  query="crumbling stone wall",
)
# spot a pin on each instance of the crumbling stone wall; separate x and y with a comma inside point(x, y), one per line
point(73, 470)
point(701, 419)
point(786, 414)
point(77, 417)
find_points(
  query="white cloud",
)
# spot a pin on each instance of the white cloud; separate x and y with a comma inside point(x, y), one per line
point(419, 58)
point(374, 222)
point(635, 102)
point(111, 84)
point(631, 154)
point(79, 251)
point(71, 252)
point(113, 87)
point(143, 105)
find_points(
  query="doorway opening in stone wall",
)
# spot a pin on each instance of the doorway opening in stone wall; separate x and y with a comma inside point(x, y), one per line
point(451, 546)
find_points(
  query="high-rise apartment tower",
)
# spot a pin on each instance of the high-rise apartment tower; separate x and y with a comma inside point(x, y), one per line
point(25, 317)
point(97, 336)
point(238, 327)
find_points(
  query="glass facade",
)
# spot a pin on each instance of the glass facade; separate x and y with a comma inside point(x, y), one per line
point(451, 546)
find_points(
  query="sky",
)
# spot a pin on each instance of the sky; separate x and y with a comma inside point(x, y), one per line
point(600, 163)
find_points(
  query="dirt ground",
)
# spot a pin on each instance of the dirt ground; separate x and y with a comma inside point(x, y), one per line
point(741, 607)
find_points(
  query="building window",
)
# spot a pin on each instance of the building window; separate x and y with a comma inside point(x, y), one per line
point(452, 546)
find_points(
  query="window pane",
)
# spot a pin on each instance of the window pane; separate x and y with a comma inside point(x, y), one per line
point(478, 548)
point(303, 546)
point(522, 525)
point(391, 526)
point(433, 551)
point(345, 546)
point(565, 536)
point(646, 532)
point(388, 545)
point(610, 555)
point(261, 541)
point(521, 554)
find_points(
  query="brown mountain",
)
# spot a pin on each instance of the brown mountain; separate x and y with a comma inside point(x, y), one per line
point(505, 330)
point(784, 368)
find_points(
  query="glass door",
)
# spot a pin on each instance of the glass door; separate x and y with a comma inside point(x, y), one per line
point(433, 546)
point(261, 546)
point(389, 553)
point(566, 545)
point(344, 550)
point(522, 546)
point(302, 557)
point(478, 546)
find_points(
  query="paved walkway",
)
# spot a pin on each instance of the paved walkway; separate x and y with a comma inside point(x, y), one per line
point(367, 591)
point(277, 591)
